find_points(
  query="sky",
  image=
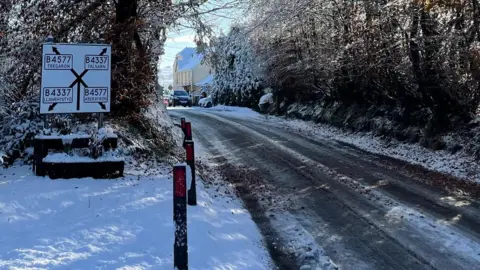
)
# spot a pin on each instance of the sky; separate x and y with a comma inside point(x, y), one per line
point(183, 37)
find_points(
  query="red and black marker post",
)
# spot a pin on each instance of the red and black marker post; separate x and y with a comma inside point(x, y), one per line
point(188, 133)
point(182, 124)
point(190, 152)
point(180, 247)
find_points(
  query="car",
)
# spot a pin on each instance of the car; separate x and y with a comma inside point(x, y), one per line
point(180, 97)
point(205, 102)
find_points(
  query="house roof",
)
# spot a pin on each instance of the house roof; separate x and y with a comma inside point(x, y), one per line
point(189, 59)
point(206, 81)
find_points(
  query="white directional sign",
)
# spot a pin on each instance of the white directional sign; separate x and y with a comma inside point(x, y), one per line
point(75, 78)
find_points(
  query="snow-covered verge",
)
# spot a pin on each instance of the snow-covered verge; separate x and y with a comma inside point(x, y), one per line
point(118, 224)
point(459, 164)
point(392, 125)
point(147, 132)
point(157, 122)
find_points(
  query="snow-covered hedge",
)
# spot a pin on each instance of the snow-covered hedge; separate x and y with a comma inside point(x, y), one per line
point(237, 79)
point(19, 123)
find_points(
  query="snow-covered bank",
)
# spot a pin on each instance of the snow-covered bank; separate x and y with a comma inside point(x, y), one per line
point(118, 224)
point(460, 164)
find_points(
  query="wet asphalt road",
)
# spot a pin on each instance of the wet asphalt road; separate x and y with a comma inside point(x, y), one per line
point(347, 199)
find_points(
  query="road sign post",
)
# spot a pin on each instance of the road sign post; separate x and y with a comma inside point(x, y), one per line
point(100, 120)
point(75, 78)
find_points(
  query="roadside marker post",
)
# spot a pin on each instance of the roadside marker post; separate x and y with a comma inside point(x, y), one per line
point(182, 123)
point(180, 247)
point(190, 158)
point(188, 133)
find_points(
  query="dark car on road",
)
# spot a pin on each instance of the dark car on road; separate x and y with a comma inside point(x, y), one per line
point(180, 97)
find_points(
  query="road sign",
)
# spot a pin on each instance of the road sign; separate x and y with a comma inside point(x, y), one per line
point(75, 78)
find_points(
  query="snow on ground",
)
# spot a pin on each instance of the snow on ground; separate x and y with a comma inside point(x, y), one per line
point(267, 98)
point(460, 164)
point(65, 158)
point(437, 231)
point(158, 114)
point(118, 224)
point(236, 111)
point(301, 242)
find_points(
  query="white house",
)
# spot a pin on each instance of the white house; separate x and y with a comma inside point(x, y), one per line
point(190, 73)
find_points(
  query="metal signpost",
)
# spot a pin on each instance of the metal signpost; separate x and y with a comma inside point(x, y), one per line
point(75, 78)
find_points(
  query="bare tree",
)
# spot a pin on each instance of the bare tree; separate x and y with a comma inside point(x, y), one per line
point(412, 61)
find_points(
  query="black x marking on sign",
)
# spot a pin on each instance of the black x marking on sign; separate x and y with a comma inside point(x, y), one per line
point(78, 78)
point(78, 81)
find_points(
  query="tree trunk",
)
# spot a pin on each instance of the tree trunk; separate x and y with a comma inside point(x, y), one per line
point(476, 21)
point(414, 49)
point(125, 13)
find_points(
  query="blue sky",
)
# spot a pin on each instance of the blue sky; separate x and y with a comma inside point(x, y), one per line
point(183, 37)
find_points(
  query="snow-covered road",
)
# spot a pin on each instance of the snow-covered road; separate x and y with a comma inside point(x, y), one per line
point(325, 202)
